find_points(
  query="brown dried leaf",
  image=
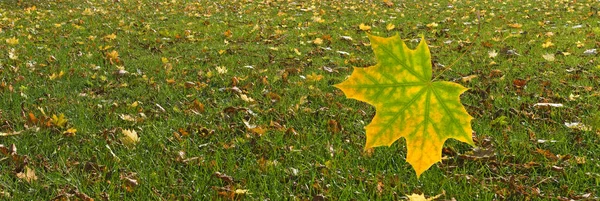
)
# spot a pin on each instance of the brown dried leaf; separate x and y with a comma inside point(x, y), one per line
point(226, 178)
point(27, 175)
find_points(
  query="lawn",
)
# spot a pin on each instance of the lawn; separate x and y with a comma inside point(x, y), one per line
point(235, 99)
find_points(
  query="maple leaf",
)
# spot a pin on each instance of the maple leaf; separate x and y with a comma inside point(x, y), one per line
point(59, 120)
point(12, 41)
point(130, 138)
point(408, 103)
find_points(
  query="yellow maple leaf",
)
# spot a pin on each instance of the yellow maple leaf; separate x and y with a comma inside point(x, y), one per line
point(130, 138)
point(390, 27)
point(110, 36)
point(12, 41)
point(70, 132)
point(364, 27)
point(408, 102)
point(421, 197)
point(113, 55)
point(547, 44)
point(318, 41)
point(59, 120)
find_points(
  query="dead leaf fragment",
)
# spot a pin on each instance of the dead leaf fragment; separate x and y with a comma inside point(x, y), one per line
point(515, 25)
point(2, 134)
point(28, 175)
point(334, 126)
point(548, 105)
point(226, 178)
point(468, 78)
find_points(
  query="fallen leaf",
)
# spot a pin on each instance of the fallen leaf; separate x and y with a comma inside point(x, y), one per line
point(12, 41)
point(468, 78)
point(318, 41)
point(492, 54)
point(2, 134)
point(515, 25)
point(242, 192)
point(432, 25)
point(549, 57)
point(421, 197)
point(130, 138)
point(110, 37)
point(59, 121)
point(226, 178)
point(408, 103)
point(87, 12)
point(547, 44)
point(547, 105)
point(578, 126)
point(228, 33)
point(390, 27)
point(364, 27)
point(28, 175)
point(70, 132)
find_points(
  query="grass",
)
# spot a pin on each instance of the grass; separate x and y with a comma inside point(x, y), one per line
point(190, 113)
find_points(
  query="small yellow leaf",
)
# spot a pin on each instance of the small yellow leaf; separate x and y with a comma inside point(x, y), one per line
point(318, 19)
point(245, 98)
point(59, 120)
point(127, 117)
point(110, 36)
point(70, 132)
point(164, 60)
point(134, 104)
point(364, 27)
point(547, 44)
point(242, 191)
point(318, 41)
point(390, 27)
point(113, 55)
point(432, 25)
point(221, 69)
point(12, 41)
point(87, 11)
point(55, 76)
point(515, 25)
point(130, 138)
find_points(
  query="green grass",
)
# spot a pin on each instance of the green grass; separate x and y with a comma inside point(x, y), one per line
point(313, 161)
